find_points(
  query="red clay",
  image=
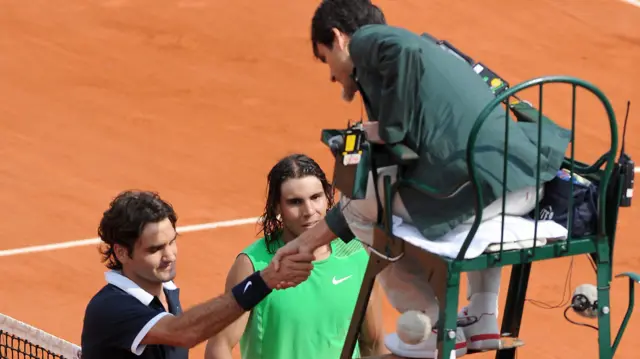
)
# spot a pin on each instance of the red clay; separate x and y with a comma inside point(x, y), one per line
point(197, 100)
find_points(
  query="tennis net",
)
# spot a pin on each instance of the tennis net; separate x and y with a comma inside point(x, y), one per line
point(19, 340)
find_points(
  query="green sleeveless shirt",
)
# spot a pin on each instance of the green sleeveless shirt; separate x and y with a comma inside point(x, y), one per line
point(310, 320)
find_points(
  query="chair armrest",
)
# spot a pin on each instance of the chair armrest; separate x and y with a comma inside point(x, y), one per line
point(632, 276)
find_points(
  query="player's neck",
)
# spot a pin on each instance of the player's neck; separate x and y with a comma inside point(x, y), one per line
point(153, 288)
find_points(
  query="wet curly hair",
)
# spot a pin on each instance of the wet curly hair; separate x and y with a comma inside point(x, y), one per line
point(292, 166)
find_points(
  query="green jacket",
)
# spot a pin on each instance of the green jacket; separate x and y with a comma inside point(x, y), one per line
point(428, 100)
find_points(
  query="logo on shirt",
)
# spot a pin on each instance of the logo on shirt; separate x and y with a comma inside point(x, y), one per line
point(338, 281)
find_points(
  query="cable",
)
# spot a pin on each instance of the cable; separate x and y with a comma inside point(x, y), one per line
point(593, 264)
point(565, 298)
point(576, 323)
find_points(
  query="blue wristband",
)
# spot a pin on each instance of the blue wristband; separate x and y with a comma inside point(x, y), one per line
point(251, 291)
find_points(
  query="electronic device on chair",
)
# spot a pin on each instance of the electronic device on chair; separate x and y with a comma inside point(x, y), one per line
point(627, 167)
point(353, 144)
point(352, 156)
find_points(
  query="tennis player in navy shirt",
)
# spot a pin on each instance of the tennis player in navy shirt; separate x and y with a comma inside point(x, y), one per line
point(137, 314)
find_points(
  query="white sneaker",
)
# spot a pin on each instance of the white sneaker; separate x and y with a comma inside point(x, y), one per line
point(425, 349)
point(482, 332)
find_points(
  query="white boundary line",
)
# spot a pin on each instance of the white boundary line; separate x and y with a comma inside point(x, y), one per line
point(91, 241)
point(633, 2)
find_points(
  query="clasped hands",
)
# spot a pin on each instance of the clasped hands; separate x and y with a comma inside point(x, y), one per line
point(290, 266)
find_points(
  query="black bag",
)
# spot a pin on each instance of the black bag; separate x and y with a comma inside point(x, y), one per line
point(555, 204)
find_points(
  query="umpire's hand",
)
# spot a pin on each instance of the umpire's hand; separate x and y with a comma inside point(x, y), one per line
point(292, 269)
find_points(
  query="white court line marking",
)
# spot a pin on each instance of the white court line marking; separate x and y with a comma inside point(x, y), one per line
point(91, 241)
point(183, 229)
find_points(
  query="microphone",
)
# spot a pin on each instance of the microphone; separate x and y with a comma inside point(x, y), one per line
point(585, 301)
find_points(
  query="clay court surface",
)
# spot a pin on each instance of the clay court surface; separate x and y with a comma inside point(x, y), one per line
point(198, 99)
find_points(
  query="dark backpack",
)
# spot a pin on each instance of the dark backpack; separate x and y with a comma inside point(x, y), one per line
point(555, 204)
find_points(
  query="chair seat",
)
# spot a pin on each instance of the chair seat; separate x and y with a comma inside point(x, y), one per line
point(577, 246)
point(499, 258)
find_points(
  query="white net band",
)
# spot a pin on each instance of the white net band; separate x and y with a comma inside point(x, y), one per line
point(20, 340)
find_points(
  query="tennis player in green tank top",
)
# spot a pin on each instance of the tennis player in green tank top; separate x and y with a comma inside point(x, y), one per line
point(310, 320)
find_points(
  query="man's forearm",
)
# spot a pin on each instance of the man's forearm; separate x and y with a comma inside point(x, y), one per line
point(205, 320)
point(317, 236)
point(337, 225)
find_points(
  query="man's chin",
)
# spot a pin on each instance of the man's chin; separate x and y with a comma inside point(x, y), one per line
point(166, 276)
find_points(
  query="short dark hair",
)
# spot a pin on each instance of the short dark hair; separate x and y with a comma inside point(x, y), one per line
point(344, 15)
point(123, 222)
point(292, 166)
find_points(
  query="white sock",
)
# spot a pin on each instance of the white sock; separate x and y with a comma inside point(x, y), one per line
point(483, 289)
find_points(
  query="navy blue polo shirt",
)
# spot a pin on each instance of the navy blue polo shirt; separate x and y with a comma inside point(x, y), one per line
point(119, 316)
